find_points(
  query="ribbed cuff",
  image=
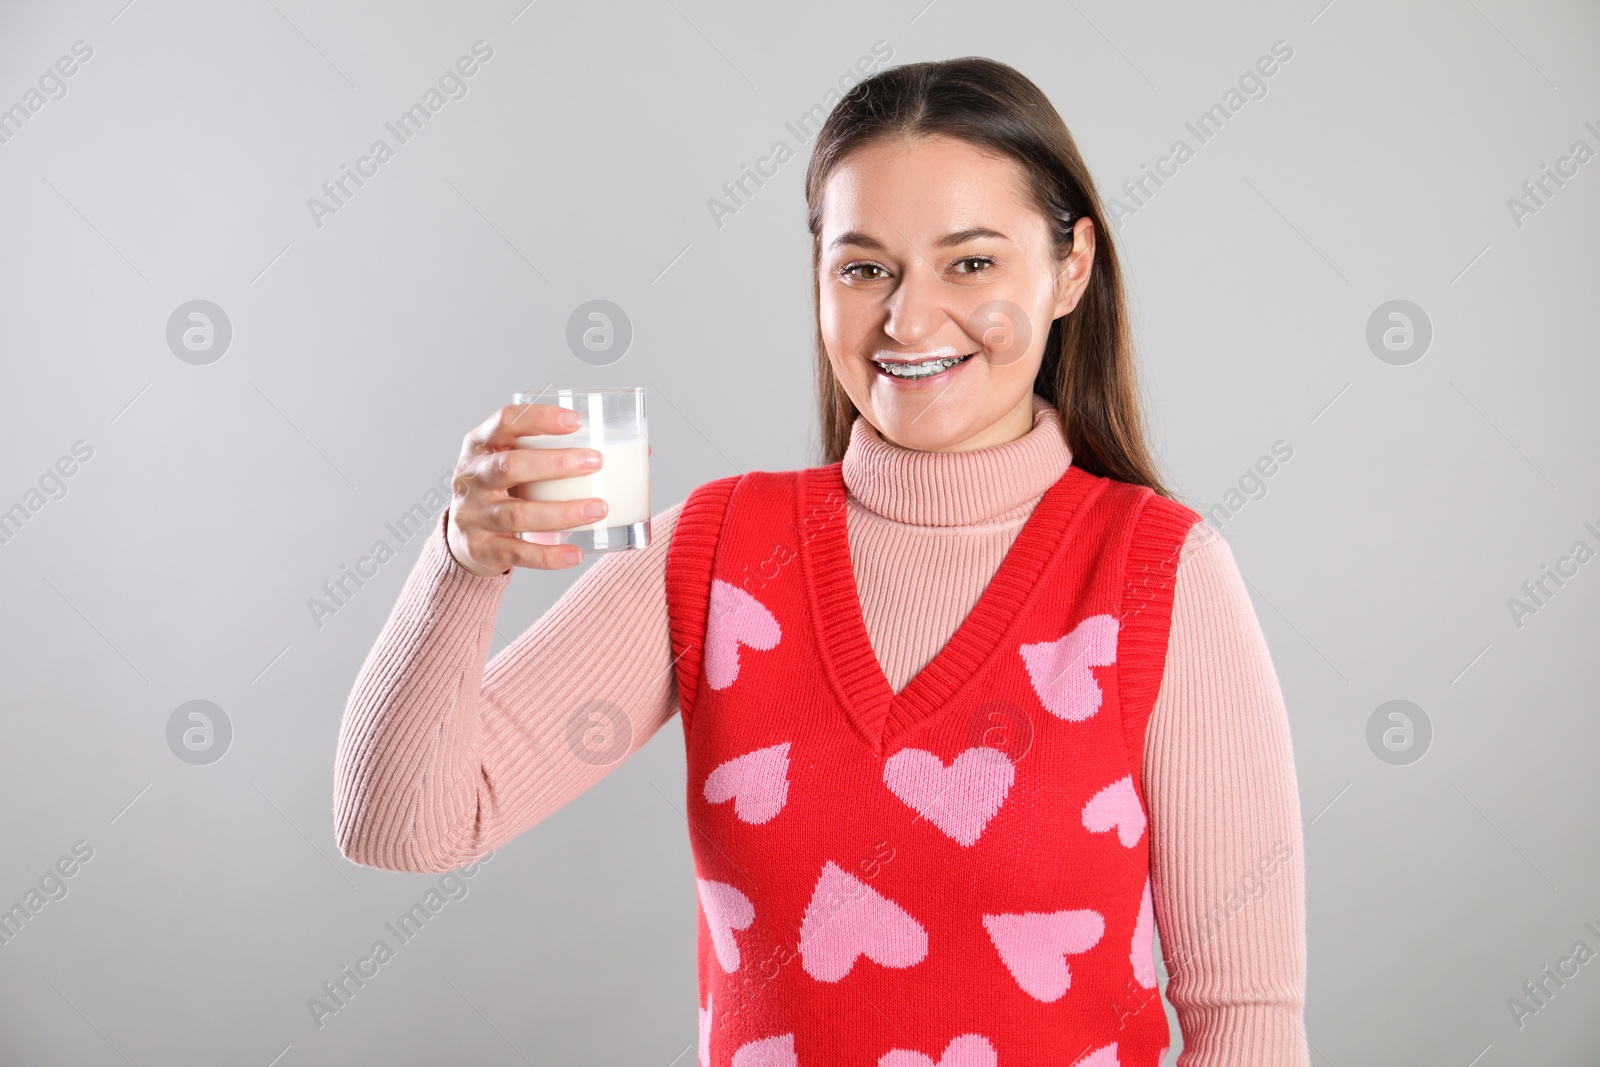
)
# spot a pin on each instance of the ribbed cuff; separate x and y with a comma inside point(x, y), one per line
point(452, 584)
point(1256, 1035)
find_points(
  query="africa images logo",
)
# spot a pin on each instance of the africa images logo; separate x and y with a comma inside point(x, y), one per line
point(452, 85)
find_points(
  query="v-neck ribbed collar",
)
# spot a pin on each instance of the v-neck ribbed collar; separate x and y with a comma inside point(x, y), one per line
point(879, 715)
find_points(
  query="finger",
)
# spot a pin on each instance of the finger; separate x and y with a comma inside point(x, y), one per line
point(546, 557)
point(518, 466)
point(513, 515)
point(502, 429)
point(501, 551)
point(474, 441)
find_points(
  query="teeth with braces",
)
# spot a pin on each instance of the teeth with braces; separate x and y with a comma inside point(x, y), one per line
point(925, 369)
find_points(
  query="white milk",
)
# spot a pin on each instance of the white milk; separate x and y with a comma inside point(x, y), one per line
point(623, 480)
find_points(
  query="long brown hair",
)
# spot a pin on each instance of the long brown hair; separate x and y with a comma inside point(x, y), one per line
point(1088, 369)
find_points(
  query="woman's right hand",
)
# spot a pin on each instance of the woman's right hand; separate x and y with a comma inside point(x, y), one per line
point(485, 517)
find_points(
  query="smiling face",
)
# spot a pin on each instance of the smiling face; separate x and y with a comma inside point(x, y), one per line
point(932, 249)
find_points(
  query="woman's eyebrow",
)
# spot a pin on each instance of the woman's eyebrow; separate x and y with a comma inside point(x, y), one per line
point(957, 237)
point(971, 233)
point(856, 237)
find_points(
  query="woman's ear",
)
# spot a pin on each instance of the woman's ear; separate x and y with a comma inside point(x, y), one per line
point(1072, 277)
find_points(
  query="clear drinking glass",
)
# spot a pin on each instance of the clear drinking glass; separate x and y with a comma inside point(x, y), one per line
point(614, 426)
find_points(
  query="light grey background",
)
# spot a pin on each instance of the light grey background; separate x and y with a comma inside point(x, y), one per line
point(220, 497)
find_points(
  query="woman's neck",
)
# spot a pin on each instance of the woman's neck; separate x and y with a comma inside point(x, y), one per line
point(1007, 428)
point(956, 488)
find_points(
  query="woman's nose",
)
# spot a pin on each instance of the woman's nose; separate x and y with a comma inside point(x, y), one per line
point(916, 310)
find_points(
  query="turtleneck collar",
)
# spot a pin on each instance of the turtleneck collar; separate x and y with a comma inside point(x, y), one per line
point(955, 488)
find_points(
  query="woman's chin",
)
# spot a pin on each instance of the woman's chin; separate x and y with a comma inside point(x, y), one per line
point(918, 425)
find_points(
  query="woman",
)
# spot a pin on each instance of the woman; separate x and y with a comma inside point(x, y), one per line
point(970, 710)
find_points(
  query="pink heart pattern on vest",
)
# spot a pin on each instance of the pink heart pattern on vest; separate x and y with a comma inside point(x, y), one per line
point(1059, 669)
point(767, 1052)
point(757, 783)
point(1143, 954)
point(967, 1050)
point(1105, 1057)
point(726, 910)
point(734, 618)
point(847, 919)
point(959, 799)
point(782, 690)
point(1117, 805)
point(1034, 946)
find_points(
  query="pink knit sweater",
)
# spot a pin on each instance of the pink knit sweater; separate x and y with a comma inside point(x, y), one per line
point(443, 757)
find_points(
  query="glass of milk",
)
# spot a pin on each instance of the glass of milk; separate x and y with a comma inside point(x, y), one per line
point(614, 426)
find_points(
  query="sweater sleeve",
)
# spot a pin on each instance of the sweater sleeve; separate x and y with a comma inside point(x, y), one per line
point(443, 757)
point(1227, 870)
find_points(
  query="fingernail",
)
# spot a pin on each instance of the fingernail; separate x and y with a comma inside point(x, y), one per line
point(570, 419)
point(595, 508)
point(589, 460)
point(571, 555)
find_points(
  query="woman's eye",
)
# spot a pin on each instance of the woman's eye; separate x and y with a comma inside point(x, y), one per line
point(984, 262)
point(852, 269)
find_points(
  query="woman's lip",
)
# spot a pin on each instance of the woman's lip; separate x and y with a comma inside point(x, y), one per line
point(944, 352)
point(938, 353)
point(909, 383)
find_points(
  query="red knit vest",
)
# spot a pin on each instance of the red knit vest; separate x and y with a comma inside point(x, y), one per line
point(954, 875)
